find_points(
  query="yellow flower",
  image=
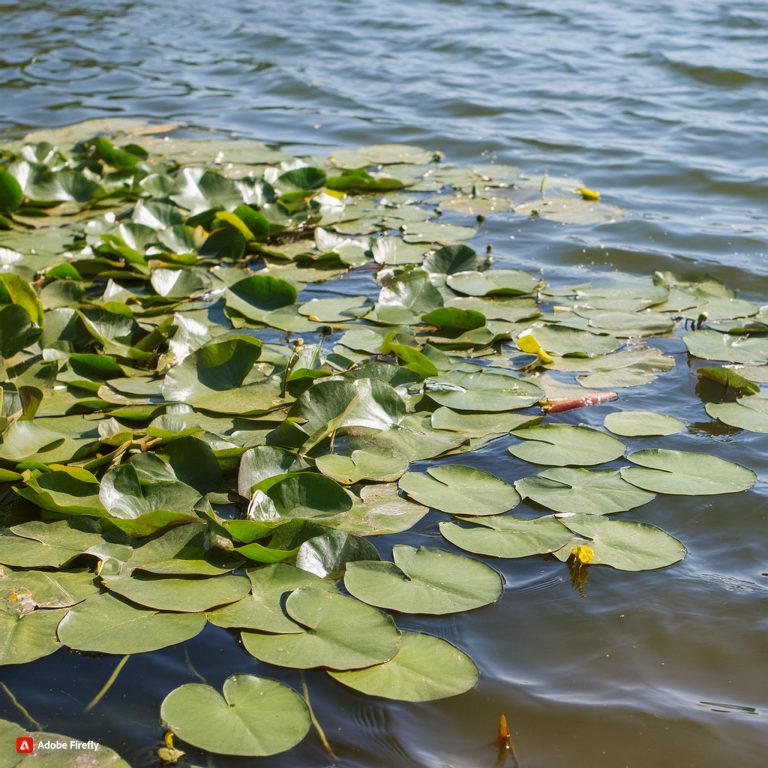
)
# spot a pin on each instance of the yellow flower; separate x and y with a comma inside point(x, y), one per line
point(583, 554)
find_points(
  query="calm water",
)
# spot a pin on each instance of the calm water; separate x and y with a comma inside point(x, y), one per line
point(660, 106)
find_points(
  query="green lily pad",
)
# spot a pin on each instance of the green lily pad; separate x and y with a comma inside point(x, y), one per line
point(508, 537)
point(425, 668)
point(424, 580)
point(262, 609)
point(188, 595)
point(45, 589)
point(686, 473)
point(499, 282)
point(481, 391)
point(622, 545)
point(642, 424)
point(460, 490)
point(583, 491)
point(331, 631)
point(297, 495)
point(29, 636)
point(561, 445)
point(254, 717)
point(106, 624)
point(362, 465)
point(711, 345)
point(750, 413)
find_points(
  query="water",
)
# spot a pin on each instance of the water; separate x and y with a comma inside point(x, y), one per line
point(660, 106)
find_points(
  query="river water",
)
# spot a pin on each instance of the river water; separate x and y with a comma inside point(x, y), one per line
point(660, 106)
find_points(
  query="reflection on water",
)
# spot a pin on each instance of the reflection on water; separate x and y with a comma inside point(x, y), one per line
point(661, 107)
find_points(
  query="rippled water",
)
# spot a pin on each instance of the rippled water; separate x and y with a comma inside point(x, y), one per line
point(660, 106)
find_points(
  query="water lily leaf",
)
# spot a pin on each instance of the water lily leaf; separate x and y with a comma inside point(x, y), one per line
point(460, 490)
point(199, 190)
point(582, 491)
point(730, 379)
point(508, 537)
point(331, 631)
point(362, 465)
point(44, 545)
point(455, 319)
point(28, 636)
point(569, 342)
point(297, 495)
point(14, 289)
point(379, 510)
point(424, 580)
point(686, 473)
point(481, 391)
point(434, 232)
point(257, 296)
point(425, 668)
point(178, 283)
point(186, 595)
point(68, 492)
point(381, 154)
point(561, 445)
point(642, 423)
point(750, 413)
point(571, 210)
point(451, 259)
point(499, 282)
point(262, 462)
point(11, 193)
point(124, 495)
point(711, 345)
point(330, 553)
point(106, 624)
point(255, 716)
point(413, 291)
point(481, 424)
point(262, 608)
point(27, 439)
point(44, 589)
point(623, 545)
point(335, 310)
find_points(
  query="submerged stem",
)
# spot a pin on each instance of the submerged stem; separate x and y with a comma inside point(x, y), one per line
point(16, 703)
point(318, 727)
point(100, 695)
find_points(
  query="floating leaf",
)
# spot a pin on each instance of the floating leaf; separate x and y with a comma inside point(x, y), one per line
point(711, 345)
point(330, 553)
point(562, 445)
point(582, 491)
point(254, 717)
point(424, 669)
point(29, 636)
point(424, 580)
point(481, 391)
point(623, 545)
point(190, 595)
point(362, 465)
point(506, 536)
point(106, 624)
point(262, 608)
point(499, 282)
point(331, 631)
point(642, 423)
point(460, 490)
point(686, 473)
point(750, 413)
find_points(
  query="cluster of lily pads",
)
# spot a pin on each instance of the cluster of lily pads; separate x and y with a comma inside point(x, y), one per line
point(200, 424)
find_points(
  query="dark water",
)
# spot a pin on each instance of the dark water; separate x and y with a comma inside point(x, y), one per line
point(660, 106)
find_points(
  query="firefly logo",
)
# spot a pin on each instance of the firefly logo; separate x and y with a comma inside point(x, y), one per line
point(25, 745)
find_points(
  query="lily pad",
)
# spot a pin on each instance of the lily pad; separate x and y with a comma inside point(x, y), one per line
point(424, 669)
point(750, 413)
point(508, 537)
point(424, 580)
point(460, 490)
point(499, 282)
point(331, 630)
point(481, 391)
point(189, 595)
point(106, 624)
point(562, 445)
point(622, 545)
point(642, 424)
point(583, 491)
point(254, 717)
point(28, 636)
point(686, 473)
